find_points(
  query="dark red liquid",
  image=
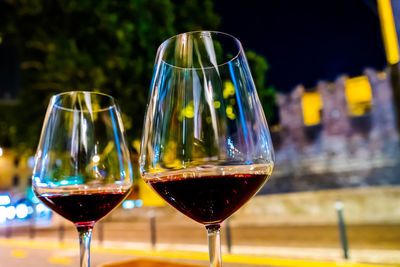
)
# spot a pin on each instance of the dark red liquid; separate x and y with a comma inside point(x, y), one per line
point(83, 209)
point(209, 199)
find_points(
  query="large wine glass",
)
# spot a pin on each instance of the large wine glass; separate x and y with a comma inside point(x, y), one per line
point(82, 168)
point(206, 148)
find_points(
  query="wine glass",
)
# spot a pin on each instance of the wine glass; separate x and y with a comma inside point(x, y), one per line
point(206, 147)
point(82, 169)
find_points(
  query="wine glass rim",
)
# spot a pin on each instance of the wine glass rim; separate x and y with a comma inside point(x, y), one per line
point(236, 40)
point(57, 96)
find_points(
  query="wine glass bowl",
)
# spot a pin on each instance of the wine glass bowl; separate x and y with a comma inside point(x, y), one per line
point(82, 166)
point(206, 147)
point(209, 195)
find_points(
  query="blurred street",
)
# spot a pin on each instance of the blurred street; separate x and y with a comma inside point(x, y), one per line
point(372, 245)
point(46, 253)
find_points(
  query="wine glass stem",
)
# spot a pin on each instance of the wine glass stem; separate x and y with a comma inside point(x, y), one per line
point(85, 236)
point(214, 244)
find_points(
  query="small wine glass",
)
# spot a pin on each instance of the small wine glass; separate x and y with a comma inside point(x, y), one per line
point(206, 147)
point(82, 168)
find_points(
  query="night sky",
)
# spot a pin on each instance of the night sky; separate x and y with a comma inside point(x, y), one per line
point(306, 41)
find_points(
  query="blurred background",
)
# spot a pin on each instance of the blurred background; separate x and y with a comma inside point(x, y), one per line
point(327, 74)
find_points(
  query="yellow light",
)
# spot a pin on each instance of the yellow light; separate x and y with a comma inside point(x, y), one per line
point(1, 152)
point(358, 95)
point(229, 113)
point(187, 111)
point(388, 31)
point(229, 89)
point(311, 104)
point(229, 110)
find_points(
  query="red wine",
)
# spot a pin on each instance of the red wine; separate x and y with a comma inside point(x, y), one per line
point(83, 209)
point(208, 199)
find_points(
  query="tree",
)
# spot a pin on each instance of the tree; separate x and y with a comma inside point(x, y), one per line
point(259, 67)
point(89, 45)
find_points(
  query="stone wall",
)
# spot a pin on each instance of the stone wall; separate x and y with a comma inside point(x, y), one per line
point(343, 150)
